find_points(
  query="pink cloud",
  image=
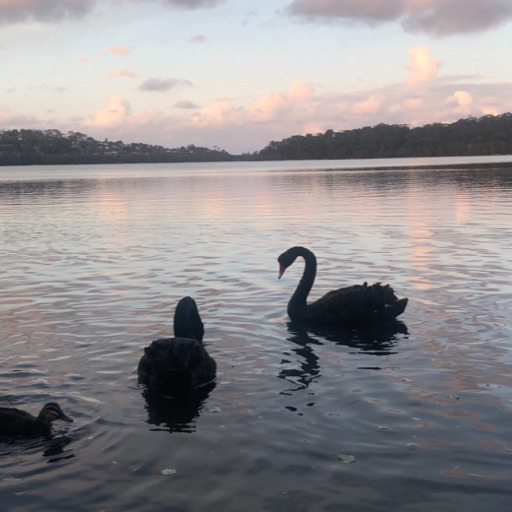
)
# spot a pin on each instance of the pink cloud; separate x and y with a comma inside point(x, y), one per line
point(11, 120)
point(219, 113)
point(122, 72)
point(423, 67)
point(298, 109)
point(271, 105)
point(119, 50)
point(295, 111)
point(115, 113)
point(460, 103)
point(370, 106)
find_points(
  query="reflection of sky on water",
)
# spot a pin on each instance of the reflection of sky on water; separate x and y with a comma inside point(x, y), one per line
point(93, 266)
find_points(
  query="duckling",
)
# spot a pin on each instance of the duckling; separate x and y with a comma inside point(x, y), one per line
point(17, 423)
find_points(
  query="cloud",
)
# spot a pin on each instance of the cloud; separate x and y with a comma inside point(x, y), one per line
point(435, 17)
point(162, 84)
point(219, 114)
point(119, 50)
point(447, 17)
point(198, 39)
point(460, 103)
point(271, 105)
point(423, 67)
point(14, 11)
point(369, 106)
point(369, 11)
point(43, 88)
point(50, 11)
point(11, 120)
point(185, 104)
point(239, 125)
point(115, 113)
point(193, 4)
point(122, 72)
point(296, 110)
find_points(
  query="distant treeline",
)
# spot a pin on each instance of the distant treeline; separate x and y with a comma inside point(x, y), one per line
point(488, 135)
point(43, 147)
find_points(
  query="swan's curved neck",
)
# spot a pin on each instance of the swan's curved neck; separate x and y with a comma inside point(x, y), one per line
point(300, 296)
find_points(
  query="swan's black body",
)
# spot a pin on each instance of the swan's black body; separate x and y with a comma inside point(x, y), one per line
point(17, 423)
point(176, 365)
point(353, 305)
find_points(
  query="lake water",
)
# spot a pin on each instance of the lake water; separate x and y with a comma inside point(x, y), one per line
point(93, 260)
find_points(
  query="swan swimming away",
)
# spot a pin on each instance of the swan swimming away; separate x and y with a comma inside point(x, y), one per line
point(353, 305)
point(176, 365)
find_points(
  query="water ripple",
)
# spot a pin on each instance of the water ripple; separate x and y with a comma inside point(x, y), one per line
point(92, 269)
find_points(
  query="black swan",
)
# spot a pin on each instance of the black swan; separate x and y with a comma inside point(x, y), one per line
point(353, 305)
point(17, 423)
point(176, 365)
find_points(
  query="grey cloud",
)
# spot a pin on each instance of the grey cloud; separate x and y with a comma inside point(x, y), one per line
point(185, 104)
point(449, 17)
point(48, 11)
point(368, 11)
point(43, 10)
point(438, 17)
point(193, 4)
point(39, 88)
point(162, 84)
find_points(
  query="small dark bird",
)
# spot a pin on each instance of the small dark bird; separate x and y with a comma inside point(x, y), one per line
point(353, 305)
point(16, 423)
point(173, 366)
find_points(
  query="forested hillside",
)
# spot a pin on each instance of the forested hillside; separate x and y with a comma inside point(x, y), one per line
point(488, 135)
point(30, 147)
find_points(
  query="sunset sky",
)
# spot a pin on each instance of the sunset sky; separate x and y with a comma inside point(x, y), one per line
point(238, 74)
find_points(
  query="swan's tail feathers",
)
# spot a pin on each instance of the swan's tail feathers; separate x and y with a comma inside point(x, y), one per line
point(400, 306)
point(390, 311)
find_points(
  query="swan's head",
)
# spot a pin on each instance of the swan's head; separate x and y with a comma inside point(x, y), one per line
point(289, 256)
point(187, 322)
point(286, 259)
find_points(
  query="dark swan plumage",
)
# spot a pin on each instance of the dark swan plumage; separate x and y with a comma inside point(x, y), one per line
point(176, 365)
point(353, 305)
point(17, 423)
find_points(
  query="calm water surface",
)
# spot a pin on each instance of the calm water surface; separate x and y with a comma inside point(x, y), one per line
point(94, 259)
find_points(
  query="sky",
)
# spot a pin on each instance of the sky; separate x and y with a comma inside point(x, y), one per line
point(238, 74)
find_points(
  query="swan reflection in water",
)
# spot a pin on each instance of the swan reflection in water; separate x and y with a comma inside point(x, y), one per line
point(176, 413)
point(375, 340)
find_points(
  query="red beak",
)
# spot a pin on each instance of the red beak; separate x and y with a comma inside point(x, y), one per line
point(282, 268)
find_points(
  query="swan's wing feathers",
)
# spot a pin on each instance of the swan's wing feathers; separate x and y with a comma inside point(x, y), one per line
point(357, 304)
point(175, 364)
point(342, 306)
